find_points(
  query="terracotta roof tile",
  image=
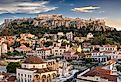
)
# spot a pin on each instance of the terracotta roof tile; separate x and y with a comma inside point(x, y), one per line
point(11, 79)
point(103, 73)
point(33, 60)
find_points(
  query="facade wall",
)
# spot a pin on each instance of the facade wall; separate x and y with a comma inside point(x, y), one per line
point(43, 53)
point(4, 48)
point(108, 49)
point(69, 56)
point(39, 66)
point(104, 56)
point(25, 75)
point(97, 79)
point(58, 51)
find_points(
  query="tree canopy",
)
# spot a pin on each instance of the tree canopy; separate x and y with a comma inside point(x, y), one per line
point(119, 68)
point(15, 53)
point(11, 67)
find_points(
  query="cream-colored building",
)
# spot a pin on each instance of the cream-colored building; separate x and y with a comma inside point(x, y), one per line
point(58, 51)
point(4, 48)
point(69, 36)
point(34, 69)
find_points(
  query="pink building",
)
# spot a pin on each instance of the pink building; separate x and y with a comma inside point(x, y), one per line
point(72, 55)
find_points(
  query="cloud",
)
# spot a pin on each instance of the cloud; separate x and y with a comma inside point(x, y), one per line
point(86, 9)
point(12, 1)
point(26, 7)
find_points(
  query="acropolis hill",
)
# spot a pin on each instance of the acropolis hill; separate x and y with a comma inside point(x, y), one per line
point(57, 21)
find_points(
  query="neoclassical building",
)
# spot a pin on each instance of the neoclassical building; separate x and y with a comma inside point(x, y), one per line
point(34, 69)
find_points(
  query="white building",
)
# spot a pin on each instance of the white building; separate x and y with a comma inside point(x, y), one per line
point(34, 69)
point(100, 57)
point(60, 34)
point(104, 56)
point(89, 35)
point(108, 48)
point(69, 36)
point(2, 44)
point(0, 50)
point(43, 52)
point(4, 48)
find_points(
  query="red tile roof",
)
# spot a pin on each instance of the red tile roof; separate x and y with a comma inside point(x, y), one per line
point(33, 60)
point(45, 49)
point(112, 61)
point(103, 73)
point(11, 79)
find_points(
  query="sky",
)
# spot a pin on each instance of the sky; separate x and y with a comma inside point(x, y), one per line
point(109, 10)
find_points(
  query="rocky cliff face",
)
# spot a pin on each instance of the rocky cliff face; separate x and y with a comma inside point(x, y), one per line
point(53, 21)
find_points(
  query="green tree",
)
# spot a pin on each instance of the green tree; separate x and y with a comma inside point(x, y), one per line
point(16, 53)
point(119, 68)
point(11, 67)
point(88, 60)
point(48, 43)
point(102, 40)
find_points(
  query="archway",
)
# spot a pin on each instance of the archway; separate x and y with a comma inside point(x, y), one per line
point(44, 78)
point(53, 75)
point(48, 78)
point(36, 78)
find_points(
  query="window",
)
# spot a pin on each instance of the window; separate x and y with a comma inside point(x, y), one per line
point(18, 74)
point(42, 66)
point(25, 66)
point(105, 48)
point(39, 51)
point(33, 66)
point(110, 48)
point(21, 80)
point(96, 78)
point(53, 62)
point(30, 76)
point(56, 50)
